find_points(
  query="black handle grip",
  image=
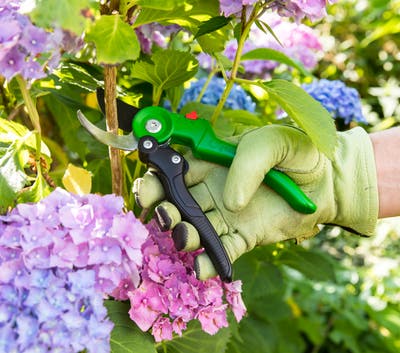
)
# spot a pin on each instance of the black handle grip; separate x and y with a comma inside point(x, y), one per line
point(169, 166)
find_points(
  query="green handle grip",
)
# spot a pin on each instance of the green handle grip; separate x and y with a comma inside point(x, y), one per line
point(200, 137)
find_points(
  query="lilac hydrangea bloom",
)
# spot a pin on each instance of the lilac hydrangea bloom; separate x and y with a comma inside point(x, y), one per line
point(237, 99)
point(298, 9)
point(26, 49)
point(170, 295)
point(234, 7)
point(154, 34)
point(341, 101)
point(58, 258)
point(297, 41)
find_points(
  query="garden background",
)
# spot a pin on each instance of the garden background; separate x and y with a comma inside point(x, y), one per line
point(333, 293)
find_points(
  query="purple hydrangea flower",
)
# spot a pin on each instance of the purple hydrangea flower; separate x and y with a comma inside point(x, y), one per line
point(26, 49)
point(234, 7)
point(237, 99)
point(60, 257)
point(154, 34)
point(341, 101)
point(299, 9)
point(52, 284)
point(297, 41)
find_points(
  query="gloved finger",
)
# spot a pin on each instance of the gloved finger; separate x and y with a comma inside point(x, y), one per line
point(167, 215)
point(235, 246)
point(258, 151)
point(186, 236)
point(198, 169)
point(148, 190)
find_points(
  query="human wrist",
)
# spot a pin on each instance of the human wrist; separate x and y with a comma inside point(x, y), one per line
point(385, 146)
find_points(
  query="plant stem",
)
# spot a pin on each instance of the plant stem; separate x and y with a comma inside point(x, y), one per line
point(33, 116)
point(246, 25)
point(203, 90)
point(110, 94)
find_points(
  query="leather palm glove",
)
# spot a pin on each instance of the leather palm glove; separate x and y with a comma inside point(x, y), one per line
point(246, 213)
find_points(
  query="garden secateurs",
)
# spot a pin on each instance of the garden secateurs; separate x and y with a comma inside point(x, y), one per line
point(153, 130)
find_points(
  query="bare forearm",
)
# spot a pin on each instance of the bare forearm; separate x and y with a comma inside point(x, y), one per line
point(387, 152)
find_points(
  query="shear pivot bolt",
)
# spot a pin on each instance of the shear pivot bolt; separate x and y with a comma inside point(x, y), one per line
point(175, 159)
point(147, 144)
point(153, 126)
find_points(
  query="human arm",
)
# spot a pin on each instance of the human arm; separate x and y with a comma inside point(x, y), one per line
point(386, 145)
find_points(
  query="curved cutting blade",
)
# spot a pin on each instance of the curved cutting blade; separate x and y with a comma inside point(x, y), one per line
point(122, 142)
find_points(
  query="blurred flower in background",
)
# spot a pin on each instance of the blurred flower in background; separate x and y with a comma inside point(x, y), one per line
point(297, 41)
point(28, 50)
point(155, 34)
point(237, 99)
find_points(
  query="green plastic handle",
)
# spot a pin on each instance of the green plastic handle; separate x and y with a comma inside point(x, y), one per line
point(199, 136)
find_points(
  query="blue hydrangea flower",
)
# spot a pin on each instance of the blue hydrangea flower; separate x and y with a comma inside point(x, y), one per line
point(237, 99)
point(341, 101)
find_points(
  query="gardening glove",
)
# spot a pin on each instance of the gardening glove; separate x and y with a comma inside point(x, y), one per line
point(246, 213)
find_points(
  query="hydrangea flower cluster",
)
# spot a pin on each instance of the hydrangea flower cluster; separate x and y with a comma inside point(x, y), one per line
point(229, 7)
point(58, 258)
point(169, 295)
point(26, 49)
point(154, 34)
point(296, 9)
point(237, 99)
point(299, 9)
point(297, 41)
point(341, 101)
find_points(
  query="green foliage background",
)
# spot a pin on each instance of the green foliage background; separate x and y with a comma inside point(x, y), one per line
point(336, 293)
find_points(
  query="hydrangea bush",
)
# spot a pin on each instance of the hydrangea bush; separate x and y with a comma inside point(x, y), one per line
point(61, 257)
point(65, 259)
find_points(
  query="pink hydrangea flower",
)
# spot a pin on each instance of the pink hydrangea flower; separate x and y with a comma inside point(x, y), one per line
point(170, 295)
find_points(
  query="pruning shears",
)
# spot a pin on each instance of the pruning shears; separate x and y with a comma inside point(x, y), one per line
point(153, 130)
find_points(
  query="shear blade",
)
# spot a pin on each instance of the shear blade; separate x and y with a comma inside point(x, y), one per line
point(122, 142)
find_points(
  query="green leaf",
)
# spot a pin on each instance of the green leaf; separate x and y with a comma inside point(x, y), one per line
point(114, 39)
point(195, 340)
point(254, 336)
point(308, 113)
point(38, 191)
point(101, 171)
point(275, 55)
point(189, 15)
point(239, 116)
point(312, 264)
point(66, 14)
point(12, 174)
point(167, 5)
point(259, 277)
point(169, 68)
point(174, 95)
point(390, 27)
point(126, 337)
point(212, 25)
point(76, 75)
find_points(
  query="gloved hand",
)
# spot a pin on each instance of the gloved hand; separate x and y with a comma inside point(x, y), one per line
point(246, 213)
